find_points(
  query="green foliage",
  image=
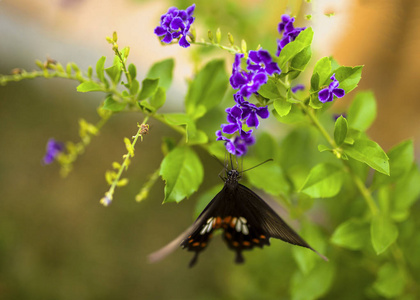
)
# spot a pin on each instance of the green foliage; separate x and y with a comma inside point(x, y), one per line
point(323, 181)
point(365, 218)
point(383, 233)
point(207, 89)
point(162, 70)
point(370, 153)
point(183, 173)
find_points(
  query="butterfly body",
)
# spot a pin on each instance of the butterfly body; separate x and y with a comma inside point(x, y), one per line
point(246, 220)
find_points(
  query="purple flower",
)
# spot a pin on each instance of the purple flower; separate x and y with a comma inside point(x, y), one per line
point(250, 112)
point(327, 94)
point(260, 61)
point(247, 82)
point(290, 33)
point(175, 24)
point(54, 148)
point(298, 87)
point(238, 145)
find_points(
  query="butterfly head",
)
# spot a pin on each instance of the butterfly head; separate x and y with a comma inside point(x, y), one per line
point(232, 177)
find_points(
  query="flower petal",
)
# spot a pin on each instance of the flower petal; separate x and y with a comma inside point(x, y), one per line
point(183, 42)
point(323, 95)
point(263, 112)
point(338, 92)
point(159, 31)
point(252, 120)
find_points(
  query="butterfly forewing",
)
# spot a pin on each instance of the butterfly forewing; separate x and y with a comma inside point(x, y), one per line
point(246, 221)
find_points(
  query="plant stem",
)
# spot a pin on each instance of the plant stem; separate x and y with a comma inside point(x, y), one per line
point(364, 191)
point(124, 166)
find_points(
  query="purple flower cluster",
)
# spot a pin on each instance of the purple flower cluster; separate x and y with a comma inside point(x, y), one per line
point(243, 112)
point(54, 148)
point(290, 33)
point(174, 24)
point(327, 94)
point(259, 65)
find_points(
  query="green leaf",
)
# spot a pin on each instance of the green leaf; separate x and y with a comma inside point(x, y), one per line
point(391, 281)
point(348, 77)
point(295, 115)
point(182, 172)
point(162, 70)
point(268, 177)
point(383, 233)
point(182, 119)
point(324, 180)
point(266, 147)
point(322, 148)
point(158, 99)
point(362, 111)
point(301, 60)
point(200, 137)
point(401, 159)
point(323, 70)
point(315, 82)
point(340, 130)
point(135, 86)
point(89, 86)
point(207, 89)
point(370, 153)
point(273, 89)
point(314, 284)
point(282, 107)
point(407, 190)
point(132, 71)
point(303, 40)
point(115, 71)
point(100, 69)
point(353, 234)
point(112, 105)
point(148, 88)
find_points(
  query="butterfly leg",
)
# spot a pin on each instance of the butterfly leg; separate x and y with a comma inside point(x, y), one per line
point(239, 257)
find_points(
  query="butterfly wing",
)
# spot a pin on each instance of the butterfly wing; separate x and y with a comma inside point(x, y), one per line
point(269, 223)
point(191, 239)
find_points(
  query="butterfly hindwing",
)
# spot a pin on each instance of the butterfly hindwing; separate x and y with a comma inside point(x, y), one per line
point(245, 219)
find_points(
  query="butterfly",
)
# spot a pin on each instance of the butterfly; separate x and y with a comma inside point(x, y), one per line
point(247, 221)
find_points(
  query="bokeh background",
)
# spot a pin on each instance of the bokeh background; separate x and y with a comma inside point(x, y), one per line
point(58, 242)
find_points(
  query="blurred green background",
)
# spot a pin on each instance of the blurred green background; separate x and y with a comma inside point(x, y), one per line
point(58, 242)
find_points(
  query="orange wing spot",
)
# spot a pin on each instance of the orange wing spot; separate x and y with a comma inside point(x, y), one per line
point(262, 236)
point(256, 241)
point(235, 243)
point(203, 245)
point(228, 235)
point(227, 219)
point(190, 241)
point(196, 244)
point(218, 222)
point(246, 243)
point(233, 223)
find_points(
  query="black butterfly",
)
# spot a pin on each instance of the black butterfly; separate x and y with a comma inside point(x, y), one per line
point(247, 221)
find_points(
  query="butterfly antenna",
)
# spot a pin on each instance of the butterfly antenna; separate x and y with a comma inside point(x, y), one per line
point(215, 157)
point(257, 165)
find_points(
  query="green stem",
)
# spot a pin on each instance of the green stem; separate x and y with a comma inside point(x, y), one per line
point(109, 195)
point(127, 74)
point(230, 49)
point(364, 191)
